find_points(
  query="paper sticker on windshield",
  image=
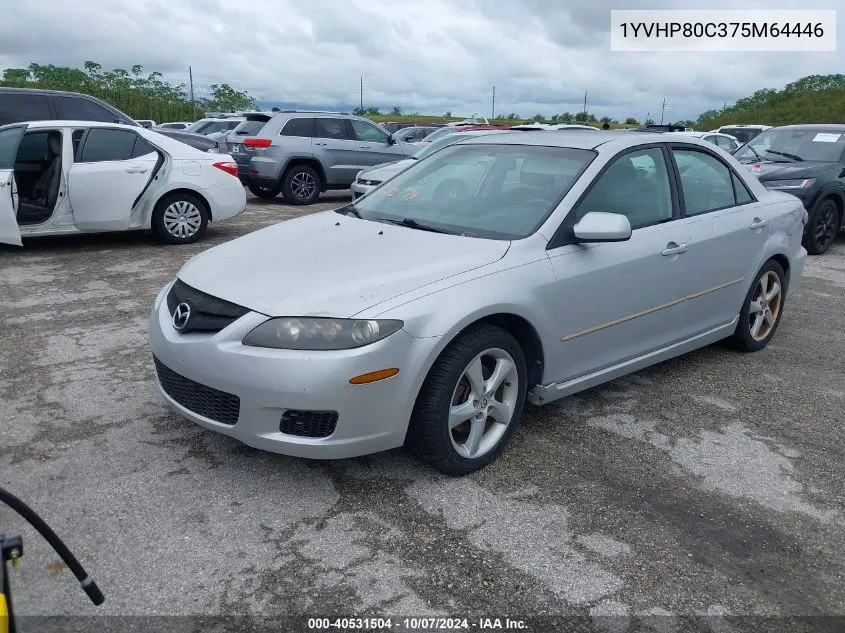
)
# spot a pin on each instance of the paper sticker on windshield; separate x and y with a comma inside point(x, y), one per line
point(823, 137)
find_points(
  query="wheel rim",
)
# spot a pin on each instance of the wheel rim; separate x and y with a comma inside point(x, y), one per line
point(825, 231)
point(765, 306)
point(303, 185)
point(182, 219)
point(483, 403)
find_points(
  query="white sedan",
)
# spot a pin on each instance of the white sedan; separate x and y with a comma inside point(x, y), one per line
point(64, 177)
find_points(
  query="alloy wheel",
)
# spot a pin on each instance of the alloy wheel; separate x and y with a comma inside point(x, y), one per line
point(825, 231)
point(765, 306)
point(483, 403)
point(303, 185)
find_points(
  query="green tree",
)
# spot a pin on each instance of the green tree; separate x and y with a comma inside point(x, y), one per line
point(396, 111)
point(631, 121)
point(649, 122)
point(224, 98)
point(539, 117)
point(566, 117)
point(606, 119)
point(448, 115)
point(584, 116)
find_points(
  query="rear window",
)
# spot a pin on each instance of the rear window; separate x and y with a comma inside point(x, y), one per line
point(742, 134)
point(15, 108)
point(252, 126)
point(298, 127)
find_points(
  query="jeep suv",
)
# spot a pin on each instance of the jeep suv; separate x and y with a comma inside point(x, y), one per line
point(301, 154)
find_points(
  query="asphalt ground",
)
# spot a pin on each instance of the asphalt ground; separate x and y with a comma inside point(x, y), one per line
point(711, 486)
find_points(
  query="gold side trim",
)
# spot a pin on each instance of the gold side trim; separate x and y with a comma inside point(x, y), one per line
point(636, 315)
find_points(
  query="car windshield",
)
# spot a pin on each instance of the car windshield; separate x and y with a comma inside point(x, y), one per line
point(794, 145)
point(479, 190)
point(250, 127)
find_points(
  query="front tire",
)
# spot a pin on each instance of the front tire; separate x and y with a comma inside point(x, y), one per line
point(470, 402)
point(180, 218)
point(301, 185)
point(822, 227)
point(761, 310)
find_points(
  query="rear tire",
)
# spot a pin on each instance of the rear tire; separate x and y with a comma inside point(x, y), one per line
point(265, 193)
point(761, 310)
point(180, 218)
point(301, 184)
point(458, 424)
point(822, 228)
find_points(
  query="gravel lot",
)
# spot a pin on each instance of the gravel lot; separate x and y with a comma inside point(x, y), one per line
point(712, 484)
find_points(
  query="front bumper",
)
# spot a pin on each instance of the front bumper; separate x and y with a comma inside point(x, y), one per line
point(268, 382)
point(359, 189)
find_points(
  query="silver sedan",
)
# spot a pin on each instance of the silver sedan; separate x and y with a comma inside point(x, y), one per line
point(520, 266)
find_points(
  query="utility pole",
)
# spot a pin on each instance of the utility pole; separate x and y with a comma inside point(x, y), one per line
point(362, 94)
point(493, 110)
point(662, 110)
point(585, 102)
point(191, 80)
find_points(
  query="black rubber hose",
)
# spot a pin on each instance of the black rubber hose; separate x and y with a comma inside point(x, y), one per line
point(85, 581)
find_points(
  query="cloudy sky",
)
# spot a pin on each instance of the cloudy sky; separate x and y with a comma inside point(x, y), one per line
point(430, 56)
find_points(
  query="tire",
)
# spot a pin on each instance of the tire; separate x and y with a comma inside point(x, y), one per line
point(266, 193)
point(744, 337)
point(450, 450)
point(301, 185)
point(822, 228)
point(167, 222)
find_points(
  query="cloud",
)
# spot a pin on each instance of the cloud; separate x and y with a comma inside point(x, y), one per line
point(422, 55)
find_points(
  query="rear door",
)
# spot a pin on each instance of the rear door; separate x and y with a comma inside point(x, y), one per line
point(374, 144)
point(337, 150)
point(111, 169)
point(10, 138)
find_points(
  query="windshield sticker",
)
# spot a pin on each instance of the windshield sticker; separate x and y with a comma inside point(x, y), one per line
point(823, 137)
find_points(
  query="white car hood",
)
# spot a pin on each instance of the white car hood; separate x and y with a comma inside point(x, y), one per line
point(331, 264)
point(387, 170)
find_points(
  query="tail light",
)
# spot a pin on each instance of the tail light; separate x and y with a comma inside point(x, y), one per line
point(262, 143)
point(230, 167)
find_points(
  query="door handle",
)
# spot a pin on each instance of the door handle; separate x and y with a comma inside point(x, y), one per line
point(136, 170)
point(759, 224)
point(320, 143)
point(363, 147)
point(673, 249)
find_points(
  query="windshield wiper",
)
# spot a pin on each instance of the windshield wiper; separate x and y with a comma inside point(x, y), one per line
point(412, 224)
point(349, 209)
point(793, 157)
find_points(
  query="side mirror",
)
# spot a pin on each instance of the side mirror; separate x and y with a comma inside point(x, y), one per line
point(391, 140)
point(602, 227)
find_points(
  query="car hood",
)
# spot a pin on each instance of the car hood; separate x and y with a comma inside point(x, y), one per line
point(384, 171)
point(789, 171)
point(333, 265)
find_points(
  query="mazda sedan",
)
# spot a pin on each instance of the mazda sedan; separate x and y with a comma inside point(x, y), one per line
point(505, 268)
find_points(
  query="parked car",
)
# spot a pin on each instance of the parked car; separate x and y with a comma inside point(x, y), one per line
point(743, 133)
point(63, 177)
point(301, 154)
point(446, 131)
point(807, 161)
point(413, 134)
point(369, 179)
point(725, 141)
point(428, 321)
point(174, 125)
point(30, 104)
point(147, 123)
point(394, 126)
point(212, 126)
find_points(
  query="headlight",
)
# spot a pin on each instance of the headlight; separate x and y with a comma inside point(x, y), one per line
point(802, 183)
point(307, 333)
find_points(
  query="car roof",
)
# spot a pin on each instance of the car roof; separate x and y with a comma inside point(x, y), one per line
point(71, 123)
point(838, 127)
point(576, 139)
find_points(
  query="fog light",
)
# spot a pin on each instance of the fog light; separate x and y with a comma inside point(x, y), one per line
point(806, 217)
point(374, 376)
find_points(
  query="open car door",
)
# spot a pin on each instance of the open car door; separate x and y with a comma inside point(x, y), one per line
point(10, 138)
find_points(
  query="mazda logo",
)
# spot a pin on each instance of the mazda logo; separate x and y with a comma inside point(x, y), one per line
point(181, 316)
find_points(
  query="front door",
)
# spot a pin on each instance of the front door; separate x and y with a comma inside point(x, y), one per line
point(111, 169)
point(728, 234)
point(10, 138)
point(374, 146)
point(617, 301)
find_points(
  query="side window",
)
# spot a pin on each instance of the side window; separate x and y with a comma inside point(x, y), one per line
point(298, 127)
point(77, 109)
point(76, 139)
point(103, 144)
point(142, 148)
point(741, 193)
point(705, 181)
point(365, 131)
point(33, 147)
point(9, 141)
point(635, 185)
point(331, 128)
point(15, 108)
